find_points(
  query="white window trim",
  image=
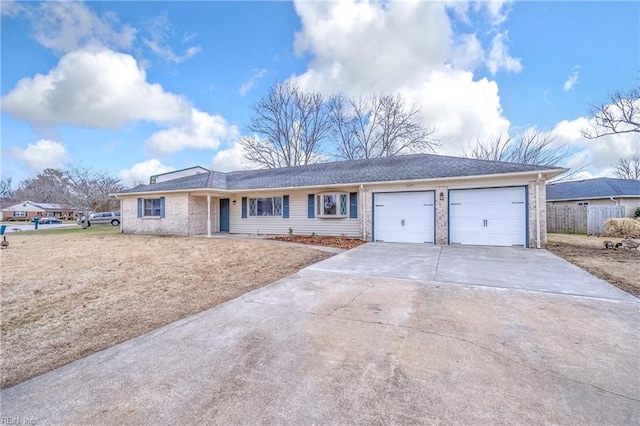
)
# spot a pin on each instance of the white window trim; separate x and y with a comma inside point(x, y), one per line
point(342, 205)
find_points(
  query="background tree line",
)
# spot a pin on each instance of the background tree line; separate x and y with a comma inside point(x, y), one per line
point(290, 127)
point(73, 186)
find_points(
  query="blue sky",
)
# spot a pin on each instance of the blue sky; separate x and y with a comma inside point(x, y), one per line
point(138, 88)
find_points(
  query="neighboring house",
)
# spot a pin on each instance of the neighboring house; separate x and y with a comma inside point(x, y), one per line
point(597, 192)
point(418, 198)
point(163, 177)
point(29, 209)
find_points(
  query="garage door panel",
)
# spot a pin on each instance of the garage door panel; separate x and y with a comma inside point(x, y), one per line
point(404, 217)
point(492, 216)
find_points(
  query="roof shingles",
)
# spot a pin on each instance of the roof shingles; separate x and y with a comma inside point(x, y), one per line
point(399, 168)
point(593, 188)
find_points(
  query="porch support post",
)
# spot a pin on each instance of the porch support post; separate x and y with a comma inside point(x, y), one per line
point(209, 215)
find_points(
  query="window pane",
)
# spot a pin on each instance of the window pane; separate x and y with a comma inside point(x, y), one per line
point(252, 207)
point(264, 206)
point(277, 206)
point(329, 204)
point(343, 204)
point(152, 207)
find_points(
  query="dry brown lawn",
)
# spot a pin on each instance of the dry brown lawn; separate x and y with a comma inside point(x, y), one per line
point(619, 267)
point(65, 296)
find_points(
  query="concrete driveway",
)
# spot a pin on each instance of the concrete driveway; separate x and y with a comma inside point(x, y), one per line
point(383, 334)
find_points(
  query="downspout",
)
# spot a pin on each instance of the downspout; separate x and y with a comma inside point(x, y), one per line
point(538, 181)
point(209, 215)
point(615, 201)
point(363, 214)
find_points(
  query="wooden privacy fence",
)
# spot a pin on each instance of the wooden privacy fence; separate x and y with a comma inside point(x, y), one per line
point(580, 219)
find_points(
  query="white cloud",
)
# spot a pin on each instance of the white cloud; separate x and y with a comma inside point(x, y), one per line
point(572, 79)
point(499, 57)
point(358, 48)
point(42, 155)
point(64, 26)
point(462, 109)
point(10, 8)
point(159, 30)
point(361, 46)
point(599, 154)
point(230, 159)
point(141, 172)
point(93, 87)
point(201, 131)
point(256, 76)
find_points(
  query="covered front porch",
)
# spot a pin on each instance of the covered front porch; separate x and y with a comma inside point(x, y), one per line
point(208, 214)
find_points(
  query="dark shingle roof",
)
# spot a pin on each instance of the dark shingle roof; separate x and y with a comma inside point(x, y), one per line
point(399, 168)
point(593, 188)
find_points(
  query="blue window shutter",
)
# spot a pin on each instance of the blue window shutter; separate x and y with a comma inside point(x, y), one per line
point(244, 207)
point(311, 210)
point(161, 207)
point(353, 205)
point(285, 206)
point(139, 207)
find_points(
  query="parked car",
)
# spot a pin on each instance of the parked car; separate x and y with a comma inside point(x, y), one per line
point(49, 221)
point(102, 218)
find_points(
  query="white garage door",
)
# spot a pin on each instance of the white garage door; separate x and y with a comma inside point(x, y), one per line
point(490, 217)
point(404, 217)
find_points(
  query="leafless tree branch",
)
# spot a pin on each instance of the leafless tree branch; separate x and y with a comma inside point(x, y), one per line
point(628, 168)
point(378, 126)
point(288, 128)
point(619, 115)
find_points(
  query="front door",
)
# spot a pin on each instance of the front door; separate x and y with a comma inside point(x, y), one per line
point(224, 215)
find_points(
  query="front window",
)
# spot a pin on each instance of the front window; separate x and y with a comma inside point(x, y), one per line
point(152, 207)
point(331, 204)
point(271, 206)
point(20, 214)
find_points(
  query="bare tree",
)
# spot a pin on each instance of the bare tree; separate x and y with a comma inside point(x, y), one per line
point(628, 168)
point(47, 186)
point(378, 126)
point(6, 191)
point(619, 115)
point(288, 128)
point(532, 147)
point(75, 187)
point(89, 190)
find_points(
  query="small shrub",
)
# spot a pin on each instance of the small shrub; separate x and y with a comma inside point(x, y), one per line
point(622, 227)
point(636, 214)
point(290, 231)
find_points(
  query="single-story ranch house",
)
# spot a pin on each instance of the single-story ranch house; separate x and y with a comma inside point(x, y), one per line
point(28, 209)
point(597, 192)
point(419, 198)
